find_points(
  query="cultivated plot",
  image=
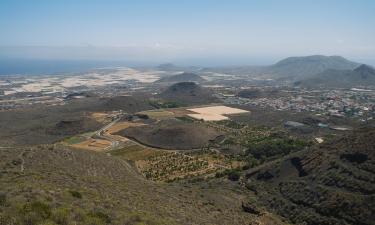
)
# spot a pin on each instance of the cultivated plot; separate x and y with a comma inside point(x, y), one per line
point(214, 113)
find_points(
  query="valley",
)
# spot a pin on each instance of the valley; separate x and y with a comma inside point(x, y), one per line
point(184, 150)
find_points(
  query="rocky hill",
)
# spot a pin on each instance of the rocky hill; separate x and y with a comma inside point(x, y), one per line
point(297, 67)
point(363, 75)
point(188, 93)
point(172, 134)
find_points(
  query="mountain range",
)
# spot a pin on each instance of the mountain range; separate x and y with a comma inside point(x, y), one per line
point(292, 68)
point(363, 75)
point(301, 67)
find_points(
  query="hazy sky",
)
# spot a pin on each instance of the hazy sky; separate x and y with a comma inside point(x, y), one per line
point(222, 31)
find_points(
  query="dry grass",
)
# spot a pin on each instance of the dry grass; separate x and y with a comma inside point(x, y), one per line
point(159, 114)
point(101, 117)
point(136, 152)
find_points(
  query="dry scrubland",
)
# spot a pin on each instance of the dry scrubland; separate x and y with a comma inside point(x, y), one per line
point(249, 170)
point(93, 188)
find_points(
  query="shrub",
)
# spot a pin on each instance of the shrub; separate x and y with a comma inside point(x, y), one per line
point(246, 167)
point(220, 174)
point(61, 216)
point(76, 194)
point(35, 212)
point(93, 221)
point(100, 215)
point(47, 222)
point(234, 175)
point(3, 199)
point(273, 147)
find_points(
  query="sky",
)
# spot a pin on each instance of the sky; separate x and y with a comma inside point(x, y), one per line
point(220, 32)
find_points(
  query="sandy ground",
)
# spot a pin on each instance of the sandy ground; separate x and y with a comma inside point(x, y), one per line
point(214, 113)
point(93, 144)
point(92, 79)
point(101, 117)
point(208, 117)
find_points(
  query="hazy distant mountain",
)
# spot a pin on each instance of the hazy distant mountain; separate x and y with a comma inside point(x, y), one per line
point(293, 68)
point(363, 75)
point(168, 67)
point(173, 67)
point(183, 77)
point(298, 67)
point(188, 93)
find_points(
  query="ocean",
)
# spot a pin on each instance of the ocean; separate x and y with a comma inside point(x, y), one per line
point(55, 67)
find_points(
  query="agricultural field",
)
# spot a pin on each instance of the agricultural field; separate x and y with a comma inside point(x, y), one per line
point(158, 114)
point(172, 134)
point(214, 113)
point(167, 166)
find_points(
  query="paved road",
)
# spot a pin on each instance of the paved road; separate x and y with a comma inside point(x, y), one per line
point(101, 134)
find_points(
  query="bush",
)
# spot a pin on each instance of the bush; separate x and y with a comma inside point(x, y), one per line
point(93, 221)
point(35, 212)
point(246, 167)
point(234, 175)
point(220, 174)
point(61, 216)
point(47, 222)
point(3, 199)
point(100, 215)
point(76, 194)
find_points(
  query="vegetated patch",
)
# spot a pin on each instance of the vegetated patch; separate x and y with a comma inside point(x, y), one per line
point(160, 104)
point(296, 162)
point(164, 165)
point(271, 147)
point(231, 124)
point(158, 114)
point(334, 183)
point(232, 174)
point(75, 194)
point(355, 157)
point(74, 140)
